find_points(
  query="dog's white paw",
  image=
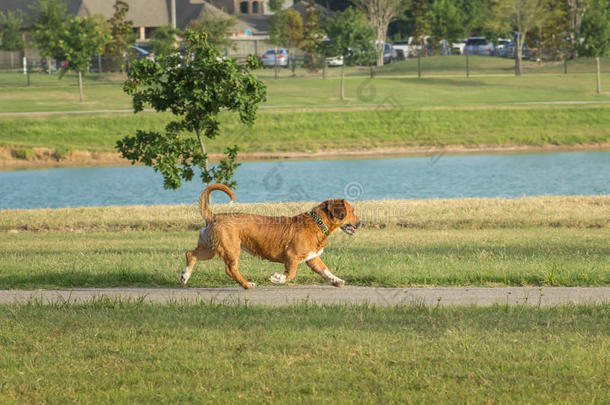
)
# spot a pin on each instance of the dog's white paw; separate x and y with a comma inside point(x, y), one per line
point(249, 286)
point(332, 279)
point(184, 277)
point(277, 278)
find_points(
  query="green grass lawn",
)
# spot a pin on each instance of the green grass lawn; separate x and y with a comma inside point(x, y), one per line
point(120, 352)
point(487, 242)
point(389, 257)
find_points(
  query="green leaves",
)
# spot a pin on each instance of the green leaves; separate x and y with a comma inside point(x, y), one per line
point(195, 87)
point(350, 36)
point(10, 32)
point(81, 39)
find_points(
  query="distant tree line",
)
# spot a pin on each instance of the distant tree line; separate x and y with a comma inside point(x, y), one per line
point(576, 27)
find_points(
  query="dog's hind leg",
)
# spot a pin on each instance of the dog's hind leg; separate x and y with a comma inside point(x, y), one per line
point(203, 252)
point(318, 266)
point(231, 268)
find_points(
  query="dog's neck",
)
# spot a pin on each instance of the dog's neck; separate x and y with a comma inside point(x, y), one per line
point(320, 223)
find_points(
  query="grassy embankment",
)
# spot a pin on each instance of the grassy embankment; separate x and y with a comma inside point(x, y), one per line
point(528, 241)
point(110, 351)
point(390, 112)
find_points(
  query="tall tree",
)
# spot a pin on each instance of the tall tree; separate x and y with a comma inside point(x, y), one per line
point(381, 13)
point(163, 40)
point(522, 16)
point(313, 35)
point(351, 36)
point(447, 20)
point(50, 28)
point(287, 29)
point(552, 29)
point(596, 33)
point(217, 28)
point(121, 36)
point(11, 39)
point(576, 12)
point(195, 88)
point(83, 38)
point(422, 26)
point(595, 29)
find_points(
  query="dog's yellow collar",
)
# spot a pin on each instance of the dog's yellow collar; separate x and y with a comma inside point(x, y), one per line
point(320, 223)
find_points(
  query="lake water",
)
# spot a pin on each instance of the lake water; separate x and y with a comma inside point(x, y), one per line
point(512, 175)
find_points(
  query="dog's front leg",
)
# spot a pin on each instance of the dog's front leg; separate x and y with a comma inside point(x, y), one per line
point(289, 273)
point(317, 265)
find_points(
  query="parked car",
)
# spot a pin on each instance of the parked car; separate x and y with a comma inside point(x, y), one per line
point(478, 46)
point(502, 47)
point(268, 57)
point(334, 61)
point(457, 48)
point(389, 55)
point(406, 47)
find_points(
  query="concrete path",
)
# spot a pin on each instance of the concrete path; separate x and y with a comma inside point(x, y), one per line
point(286, 295)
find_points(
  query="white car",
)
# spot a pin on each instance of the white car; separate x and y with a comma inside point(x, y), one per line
point(406, 47)
point(268, 57)
point(457, 48)
point(334, 61)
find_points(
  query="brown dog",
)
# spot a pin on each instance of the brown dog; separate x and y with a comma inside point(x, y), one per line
point(288, 240)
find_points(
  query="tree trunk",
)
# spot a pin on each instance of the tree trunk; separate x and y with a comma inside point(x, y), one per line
point(599, 80)
point(519, 53)
point(342, 75)
point(381, 33)
point(80, 85)
point(11, 58)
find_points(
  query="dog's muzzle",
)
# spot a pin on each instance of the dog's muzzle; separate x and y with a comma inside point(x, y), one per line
point(350, 229)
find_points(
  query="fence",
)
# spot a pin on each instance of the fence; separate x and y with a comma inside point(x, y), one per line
point(106, 69)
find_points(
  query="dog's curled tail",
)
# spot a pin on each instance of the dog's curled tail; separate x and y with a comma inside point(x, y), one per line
point(203, 199)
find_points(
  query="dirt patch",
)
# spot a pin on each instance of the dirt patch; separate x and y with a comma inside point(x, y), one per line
point(13, 158)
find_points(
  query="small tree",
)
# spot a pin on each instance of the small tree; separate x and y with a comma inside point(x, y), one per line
point(350, 36)
point(381, 13)
point(121, 36)
point(82, 39)
point(163, 40)
point(218, 30)
point(11, 39)
point(50, 28)
point(195, 89)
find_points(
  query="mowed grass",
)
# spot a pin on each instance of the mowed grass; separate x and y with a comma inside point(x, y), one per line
point(336, 130)
point(313, 92)
point(120, 352)
point(541, 241)
point(305, 114)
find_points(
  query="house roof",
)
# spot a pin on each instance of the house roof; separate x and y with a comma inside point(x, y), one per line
point(143, 13)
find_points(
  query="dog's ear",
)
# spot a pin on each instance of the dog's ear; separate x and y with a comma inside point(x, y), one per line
point(337, 209)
